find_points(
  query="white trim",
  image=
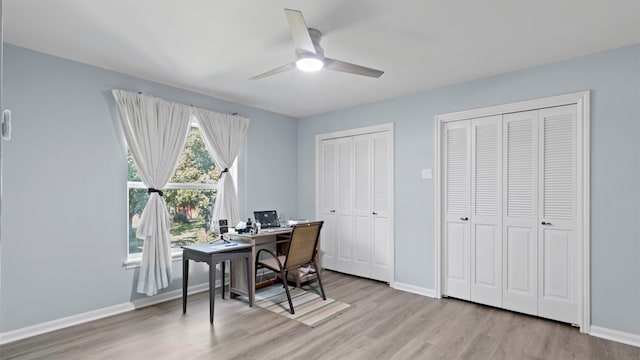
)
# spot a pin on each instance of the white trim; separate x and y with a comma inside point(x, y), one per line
point(362, 131)
point(353, 132)
point(615, 335)
point(413, 289)
point(49, 326)
point(133, 262)
point(582, 101)
point(174, 186)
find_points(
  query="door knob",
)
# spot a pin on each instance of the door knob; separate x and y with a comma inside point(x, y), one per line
point(332, 211)
point(546, 223)
point(464, 218)
point(374, 213)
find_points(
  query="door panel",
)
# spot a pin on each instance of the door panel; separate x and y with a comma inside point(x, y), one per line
point(380, 213)
point(344, 212)
point(457, 255)
point(456, 180)
point(520, 257)
point(328, 196)
point(381, 259)
point(362, 205)
point(486, 214)
point(486, 281)
point(520, 276)
point(557, 244)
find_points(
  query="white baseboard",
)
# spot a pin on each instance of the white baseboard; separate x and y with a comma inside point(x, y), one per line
point(414, 289)
point(615, 335)
point(38, 329)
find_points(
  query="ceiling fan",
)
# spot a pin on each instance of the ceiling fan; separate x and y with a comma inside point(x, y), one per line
point(309, 53)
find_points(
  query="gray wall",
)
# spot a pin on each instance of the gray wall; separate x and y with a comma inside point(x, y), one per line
point(64, 206)
point(614, 80)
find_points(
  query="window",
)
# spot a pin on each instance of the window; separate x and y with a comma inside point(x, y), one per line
point(189, 195)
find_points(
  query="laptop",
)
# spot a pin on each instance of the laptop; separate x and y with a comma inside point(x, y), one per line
point(267, 219)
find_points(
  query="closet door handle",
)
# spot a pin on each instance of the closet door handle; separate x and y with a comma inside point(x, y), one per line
point(374, 213)
point(464, 218)
point(546, 223)
point(332, 211)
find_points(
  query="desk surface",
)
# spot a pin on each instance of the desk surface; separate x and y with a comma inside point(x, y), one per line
point(218, 247)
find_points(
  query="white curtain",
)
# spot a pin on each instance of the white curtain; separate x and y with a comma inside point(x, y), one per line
point(223, 134)
point(156, 131)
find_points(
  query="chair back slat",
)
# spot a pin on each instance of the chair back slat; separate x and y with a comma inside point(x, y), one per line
point(303, 243)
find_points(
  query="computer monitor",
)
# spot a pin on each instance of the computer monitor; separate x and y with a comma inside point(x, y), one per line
point(267, 218)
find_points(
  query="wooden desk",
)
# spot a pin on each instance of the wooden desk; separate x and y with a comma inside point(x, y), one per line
point(213, 254)
point(262, 239)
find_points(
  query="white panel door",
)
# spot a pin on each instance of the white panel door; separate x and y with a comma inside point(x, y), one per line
point(557, 274)
point(362, 205)
point(486, 210)
point(328, 199)
point(345, 261)
point(456, 181)
point(519, 237)
point(381, 211)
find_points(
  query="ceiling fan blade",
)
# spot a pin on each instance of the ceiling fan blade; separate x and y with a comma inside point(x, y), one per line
point(277, 70)
point(299, 31)
point(337, 65)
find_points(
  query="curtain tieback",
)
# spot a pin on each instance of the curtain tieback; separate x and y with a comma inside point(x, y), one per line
point(226, 170)
point(152, 190)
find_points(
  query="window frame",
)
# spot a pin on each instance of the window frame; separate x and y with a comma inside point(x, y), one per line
point(133, 260)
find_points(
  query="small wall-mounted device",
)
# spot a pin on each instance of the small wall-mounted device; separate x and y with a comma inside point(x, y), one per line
point(6, 125)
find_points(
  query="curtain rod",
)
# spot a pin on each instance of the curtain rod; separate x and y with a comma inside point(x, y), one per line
point(232, 114)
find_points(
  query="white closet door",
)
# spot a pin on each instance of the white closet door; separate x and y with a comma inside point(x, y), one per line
point(456, 181)
point(329, 199)
point(345, 261)
point(362, 205)
point(486, 210)
point(557, 276)
point(381, 211)
point(520, 258)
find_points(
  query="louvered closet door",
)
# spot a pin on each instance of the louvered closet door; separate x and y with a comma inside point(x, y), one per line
point(486, 210)
point(456, 181)
point(557, 297)
point(362, 205)
point(519, 237)
point(329, 199)
point(381, 211)
point(345, 261)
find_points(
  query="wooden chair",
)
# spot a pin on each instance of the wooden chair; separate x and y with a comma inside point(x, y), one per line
point(300, 252)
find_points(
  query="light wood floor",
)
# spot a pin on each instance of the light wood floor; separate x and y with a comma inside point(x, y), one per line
point(382, 323)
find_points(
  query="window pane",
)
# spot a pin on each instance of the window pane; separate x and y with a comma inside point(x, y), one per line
point(195, 166)
point(190, 212)
point(137, 200)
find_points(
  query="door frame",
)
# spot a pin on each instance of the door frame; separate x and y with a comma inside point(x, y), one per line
point(583, 233)
point(363, 131)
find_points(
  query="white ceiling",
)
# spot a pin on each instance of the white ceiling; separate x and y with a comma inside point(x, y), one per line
point(213, 47)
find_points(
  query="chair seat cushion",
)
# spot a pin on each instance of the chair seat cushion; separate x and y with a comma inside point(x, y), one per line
point(271, 263)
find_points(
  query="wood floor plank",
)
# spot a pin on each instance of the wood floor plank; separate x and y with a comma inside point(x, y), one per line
point(382, 323)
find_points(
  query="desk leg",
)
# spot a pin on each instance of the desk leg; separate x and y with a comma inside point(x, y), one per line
point(250, 284)
point(251, 269)
point(185, 282)
point(212, 288)
point(222, 266)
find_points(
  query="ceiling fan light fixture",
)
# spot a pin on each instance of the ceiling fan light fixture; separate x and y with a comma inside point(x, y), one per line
point(309, 63)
